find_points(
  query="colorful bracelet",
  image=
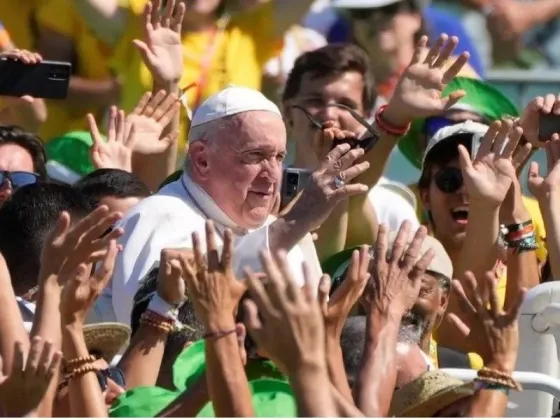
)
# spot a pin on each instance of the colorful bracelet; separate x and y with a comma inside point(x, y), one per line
point(514, 227)
point(388, 128)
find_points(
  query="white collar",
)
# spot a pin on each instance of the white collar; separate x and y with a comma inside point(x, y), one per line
point(208, 206)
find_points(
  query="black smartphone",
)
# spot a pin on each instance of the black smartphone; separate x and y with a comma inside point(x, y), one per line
point(48, 79)
point(548, 125)
point(293, 181)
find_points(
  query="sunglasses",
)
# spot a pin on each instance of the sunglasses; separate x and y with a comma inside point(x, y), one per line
point(103, 376)
point(18, 178)
point(366, 143)
point(449, 180)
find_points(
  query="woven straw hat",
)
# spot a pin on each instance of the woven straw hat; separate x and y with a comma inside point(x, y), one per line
point(106, 338)
point(428, 394)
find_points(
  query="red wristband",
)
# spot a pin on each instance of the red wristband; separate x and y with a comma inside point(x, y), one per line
point(385, 126)
point(218, 334)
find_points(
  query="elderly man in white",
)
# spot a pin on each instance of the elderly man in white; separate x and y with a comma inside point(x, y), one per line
point(233, 169)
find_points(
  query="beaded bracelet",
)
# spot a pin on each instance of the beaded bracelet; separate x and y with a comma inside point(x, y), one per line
point(157, 317)
point(78, 361)
point(496, 377)
point(80, 371)
point(165, 327)
point(514, 227)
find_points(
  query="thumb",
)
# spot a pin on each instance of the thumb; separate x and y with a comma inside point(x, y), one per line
point(147, 55)
point(452, 99)
point(464, 158)
point(533, 172)
point(323, 293)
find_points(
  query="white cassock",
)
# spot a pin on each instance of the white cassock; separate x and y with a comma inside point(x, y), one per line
point(166, 220)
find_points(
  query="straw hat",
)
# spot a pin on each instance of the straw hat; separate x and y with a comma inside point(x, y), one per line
point(106, 338)
point(428, 394)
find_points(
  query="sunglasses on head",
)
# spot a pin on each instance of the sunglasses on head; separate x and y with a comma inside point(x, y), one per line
point(449, 180)
point(354, 142)
point(18, 178)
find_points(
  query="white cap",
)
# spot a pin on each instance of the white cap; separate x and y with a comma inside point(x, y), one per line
point(441, 264)
point(477, 130)
point(230, 101)
point(372, 4)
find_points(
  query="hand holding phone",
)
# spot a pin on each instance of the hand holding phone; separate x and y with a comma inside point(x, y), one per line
point(549, 124)
point(23, 73)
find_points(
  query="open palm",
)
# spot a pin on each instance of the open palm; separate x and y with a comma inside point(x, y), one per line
point(419, 92)
point(489, 177)
point(161, 47)
point(542, 187)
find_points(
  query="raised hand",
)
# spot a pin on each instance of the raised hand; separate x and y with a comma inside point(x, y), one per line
point(419, 93)
point(543, 187)
point(68, 246)
point(284, 320)
point(488, 178)
point(496, 331)
point(148, 120)
point(396, 276)
point(23, 390)
point(330, 184)
point(171, 285)
point(161, 47)
point(211, 283)
point(115, 153)
point(336, 309)
point(83, 288)
point(529, 120)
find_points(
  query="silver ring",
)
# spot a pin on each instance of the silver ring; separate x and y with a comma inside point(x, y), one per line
point(338, 182)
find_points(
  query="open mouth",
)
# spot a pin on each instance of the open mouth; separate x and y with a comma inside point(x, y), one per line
point(460, 215)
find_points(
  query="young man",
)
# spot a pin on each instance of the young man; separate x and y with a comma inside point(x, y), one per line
point(339, 74)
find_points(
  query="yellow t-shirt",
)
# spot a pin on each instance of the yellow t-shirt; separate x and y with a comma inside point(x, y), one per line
point(239, 54)
point(92, 58)
point(475, 361)
point(533, 209)
point(18, 17)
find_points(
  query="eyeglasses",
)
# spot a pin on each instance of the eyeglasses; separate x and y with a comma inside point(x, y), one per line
point(18, 178)
point(366, 143)
point(449, 180)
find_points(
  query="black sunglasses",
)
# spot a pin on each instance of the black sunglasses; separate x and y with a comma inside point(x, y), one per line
point(367, 143)
point(449, 180)
point(18, 178)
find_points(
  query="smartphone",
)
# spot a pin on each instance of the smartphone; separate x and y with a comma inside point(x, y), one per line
point(48, 79)
point(293, 181)
point(548, 125)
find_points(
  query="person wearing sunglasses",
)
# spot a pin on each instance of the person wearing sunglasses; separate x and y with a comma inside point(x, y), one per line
point(22, 160)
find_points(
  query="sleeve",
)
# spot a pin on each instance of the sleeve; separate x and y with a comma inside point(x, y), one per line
point(144, 238)
point(258, 23)
point(58, 16)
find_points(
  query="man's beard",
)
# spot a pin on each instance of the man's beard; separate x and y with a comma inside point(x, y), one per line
point(416, 324)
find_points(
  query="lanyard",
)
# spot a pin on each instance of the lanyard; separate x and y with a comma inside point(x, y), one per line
point(206, 62)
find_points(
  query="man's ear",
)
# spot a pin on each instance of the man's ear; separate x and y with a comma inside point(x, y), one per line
point(198, 153)
point(442, 309)
point(287, 113)
point(425, 198)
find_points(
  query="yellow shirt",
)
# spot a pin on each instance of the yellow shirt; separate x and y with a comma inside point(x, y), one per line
point(18, 17)
point(533, 209)
point(92, 58)
point(475, 361)
point(239, 54)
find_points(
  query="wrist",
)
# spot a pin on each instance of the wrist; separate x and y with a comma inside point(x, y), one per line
point(168, 86)
point(504, 365)
point(394, 117)
point(219, 324)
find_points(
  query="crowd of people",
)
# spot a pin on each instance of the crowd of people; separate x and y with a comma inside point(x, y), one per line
point(203, 227)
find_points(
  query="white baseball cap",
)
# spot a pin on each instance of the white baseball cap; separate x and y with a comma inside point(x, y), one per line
point(477, 130)
point(231, 101)
point(372, 4)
